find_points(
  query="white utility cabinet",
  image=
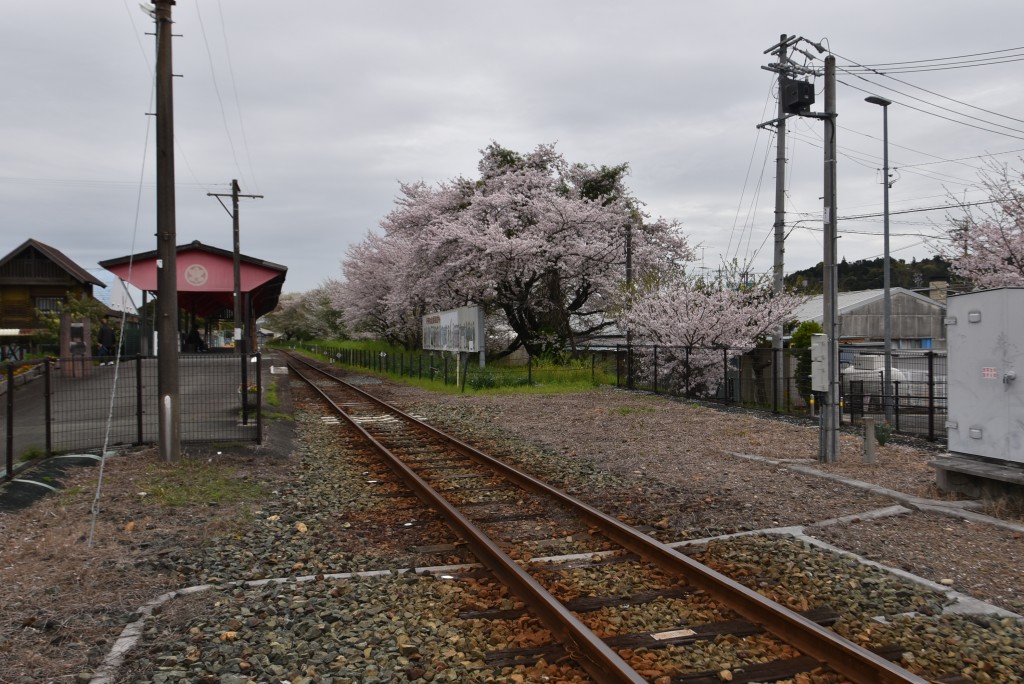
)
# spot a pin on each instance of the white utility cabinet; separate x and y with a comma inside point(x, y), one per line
point(985, 338)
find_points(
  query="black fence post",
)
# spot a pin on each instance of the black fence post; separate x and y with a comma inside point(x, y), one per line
point(931, 395)
point(446, 369)
point(777, 374)
point(529, 370)
point(725, 374)
point(618, 366)
point(655, 369)
point(896, 404)
point(48, 406)
point(686, 371)
point(10, 421)
point(138, 399)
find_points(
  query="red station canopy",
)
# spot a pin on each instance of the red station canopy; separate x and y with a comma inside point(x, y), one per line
point(206, 278)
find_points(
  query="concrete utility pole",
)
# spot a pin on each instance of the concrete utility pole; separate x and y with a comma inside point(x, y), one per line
point(830, 441)
point(166, 236)
point(887, 395)
point(778, 262)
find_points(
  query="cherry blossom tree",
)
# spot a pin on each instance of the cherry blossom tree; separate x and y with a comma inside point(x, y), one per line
point(696, 323)
point(986, 245)
point(308, 315)
point(538, 240)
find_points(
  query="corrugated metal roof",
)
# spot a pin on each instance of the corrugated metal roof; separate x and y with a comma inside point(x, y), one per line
point(813, 309)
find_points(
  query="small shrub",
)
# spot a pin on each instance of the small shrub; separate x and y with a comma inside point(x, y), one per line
point(883, 433)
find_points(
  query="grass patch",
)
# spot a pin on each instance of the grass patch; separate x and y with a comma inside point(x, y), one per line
point(270, 395)
point(32, 454)
point(632, 410)
point(193, 482)
point(502, 377)
point(277, 415)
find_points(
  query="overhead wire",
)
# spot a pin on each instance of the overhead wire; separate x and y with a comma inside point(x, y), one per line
point(216, 90)
point(95, 508)
point(946, 67)
point(750, 165)
point(234, 91)
point(939, 59)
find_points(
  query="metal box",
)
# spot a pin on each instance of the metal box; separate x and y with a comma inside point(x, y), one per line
point(985, 334)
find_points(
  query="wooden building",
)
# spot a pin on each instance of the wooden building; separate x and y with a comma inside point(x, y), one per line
point(36, 276)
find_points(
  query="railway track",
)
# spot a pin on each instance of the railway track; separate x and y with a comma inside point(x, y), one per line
point(507, 517)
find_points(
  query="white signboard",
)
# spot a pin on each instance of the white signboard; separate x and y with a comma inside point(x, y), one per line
point(457, 330)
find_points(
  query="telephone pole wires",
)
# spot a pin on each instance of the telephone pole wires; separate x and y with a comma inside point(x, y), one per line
point(166, 234)
point(795, 99)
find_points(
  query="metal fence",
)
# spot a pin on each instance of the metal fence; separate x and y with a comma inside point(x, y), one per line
point(446, 369)
point(746, 377)
point(78, 404)
point(732, 376)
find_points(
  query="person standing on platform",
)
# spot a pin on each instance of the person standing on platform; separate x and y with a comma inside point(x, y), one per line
point(108, 343)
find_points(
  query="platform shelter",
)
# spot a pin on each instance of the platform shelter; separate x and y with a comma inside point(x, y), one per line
point(206, 283)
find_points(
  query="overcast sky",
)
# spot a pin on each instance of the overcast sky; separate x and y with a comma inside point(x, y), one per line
point(325, 106)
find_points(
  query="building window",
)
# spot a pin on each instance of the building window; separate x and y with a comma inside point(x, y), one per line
point(48, 303)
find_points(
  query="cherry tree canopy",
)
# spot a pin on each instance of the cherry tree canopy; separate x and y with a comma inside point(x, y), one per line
point(538, 241)
point(986, 247)
point(693, 321)
point(309, 315)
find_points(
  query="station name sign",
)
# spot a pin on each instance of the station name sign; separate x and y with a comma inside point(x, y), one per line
point(457, 330)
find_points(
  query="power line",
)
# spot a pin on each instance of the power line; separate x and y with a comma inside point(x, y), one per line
point(947, 67)
point(216, 90)
point(234, 91)
point(931, 92)
point(942, 59)
point(946, 118)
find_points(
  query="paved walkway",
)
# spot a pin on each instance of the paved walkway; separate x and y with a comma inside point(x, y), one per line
point(87, 413)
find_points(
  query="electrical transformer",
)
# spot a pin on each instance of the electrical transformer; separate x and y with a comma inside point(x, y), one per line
point(985, 338)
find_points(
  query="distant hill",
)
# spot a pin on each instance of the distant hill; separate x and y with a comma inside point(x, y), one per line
point(867, 275)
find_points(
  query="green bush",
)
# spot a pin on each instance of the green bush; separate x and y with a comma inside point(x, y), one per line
point(883, 433)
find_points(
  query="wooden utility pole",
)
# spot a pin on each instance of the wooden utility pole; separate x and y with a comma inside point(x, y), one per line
point(831, 416)
point(166, 237)
point(241, 321)
point(237, 256)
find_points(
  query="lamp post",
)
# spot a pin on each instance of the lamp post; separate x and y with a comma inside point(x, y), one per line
point(887, 300)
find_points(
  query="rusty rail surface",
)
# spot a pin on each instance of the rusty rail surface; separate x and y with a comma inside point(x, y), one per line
point(600, 661)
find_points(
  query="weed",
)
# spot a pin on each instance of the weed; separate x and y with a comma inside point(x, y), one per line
point(32, 454)
point(195, 482)
point(270, 395)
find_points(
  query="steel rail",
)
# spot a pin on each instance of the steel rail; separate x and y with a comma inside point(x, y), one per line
point(849, 659)
point(594, 655)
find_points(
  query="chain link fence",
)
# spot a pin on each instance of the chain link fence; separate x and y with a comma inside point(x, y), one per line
point(61, 405)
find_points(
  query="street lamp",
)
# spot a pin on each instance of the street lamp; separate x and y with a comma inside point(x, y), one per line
point(887, 313)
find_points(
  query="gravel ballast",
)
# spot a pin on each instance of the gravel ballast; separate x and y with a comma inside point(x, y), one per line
point(682, 470)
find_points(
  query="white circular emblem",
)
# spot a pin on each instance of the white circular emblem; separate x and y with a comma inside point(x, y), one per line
point(196, 275)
